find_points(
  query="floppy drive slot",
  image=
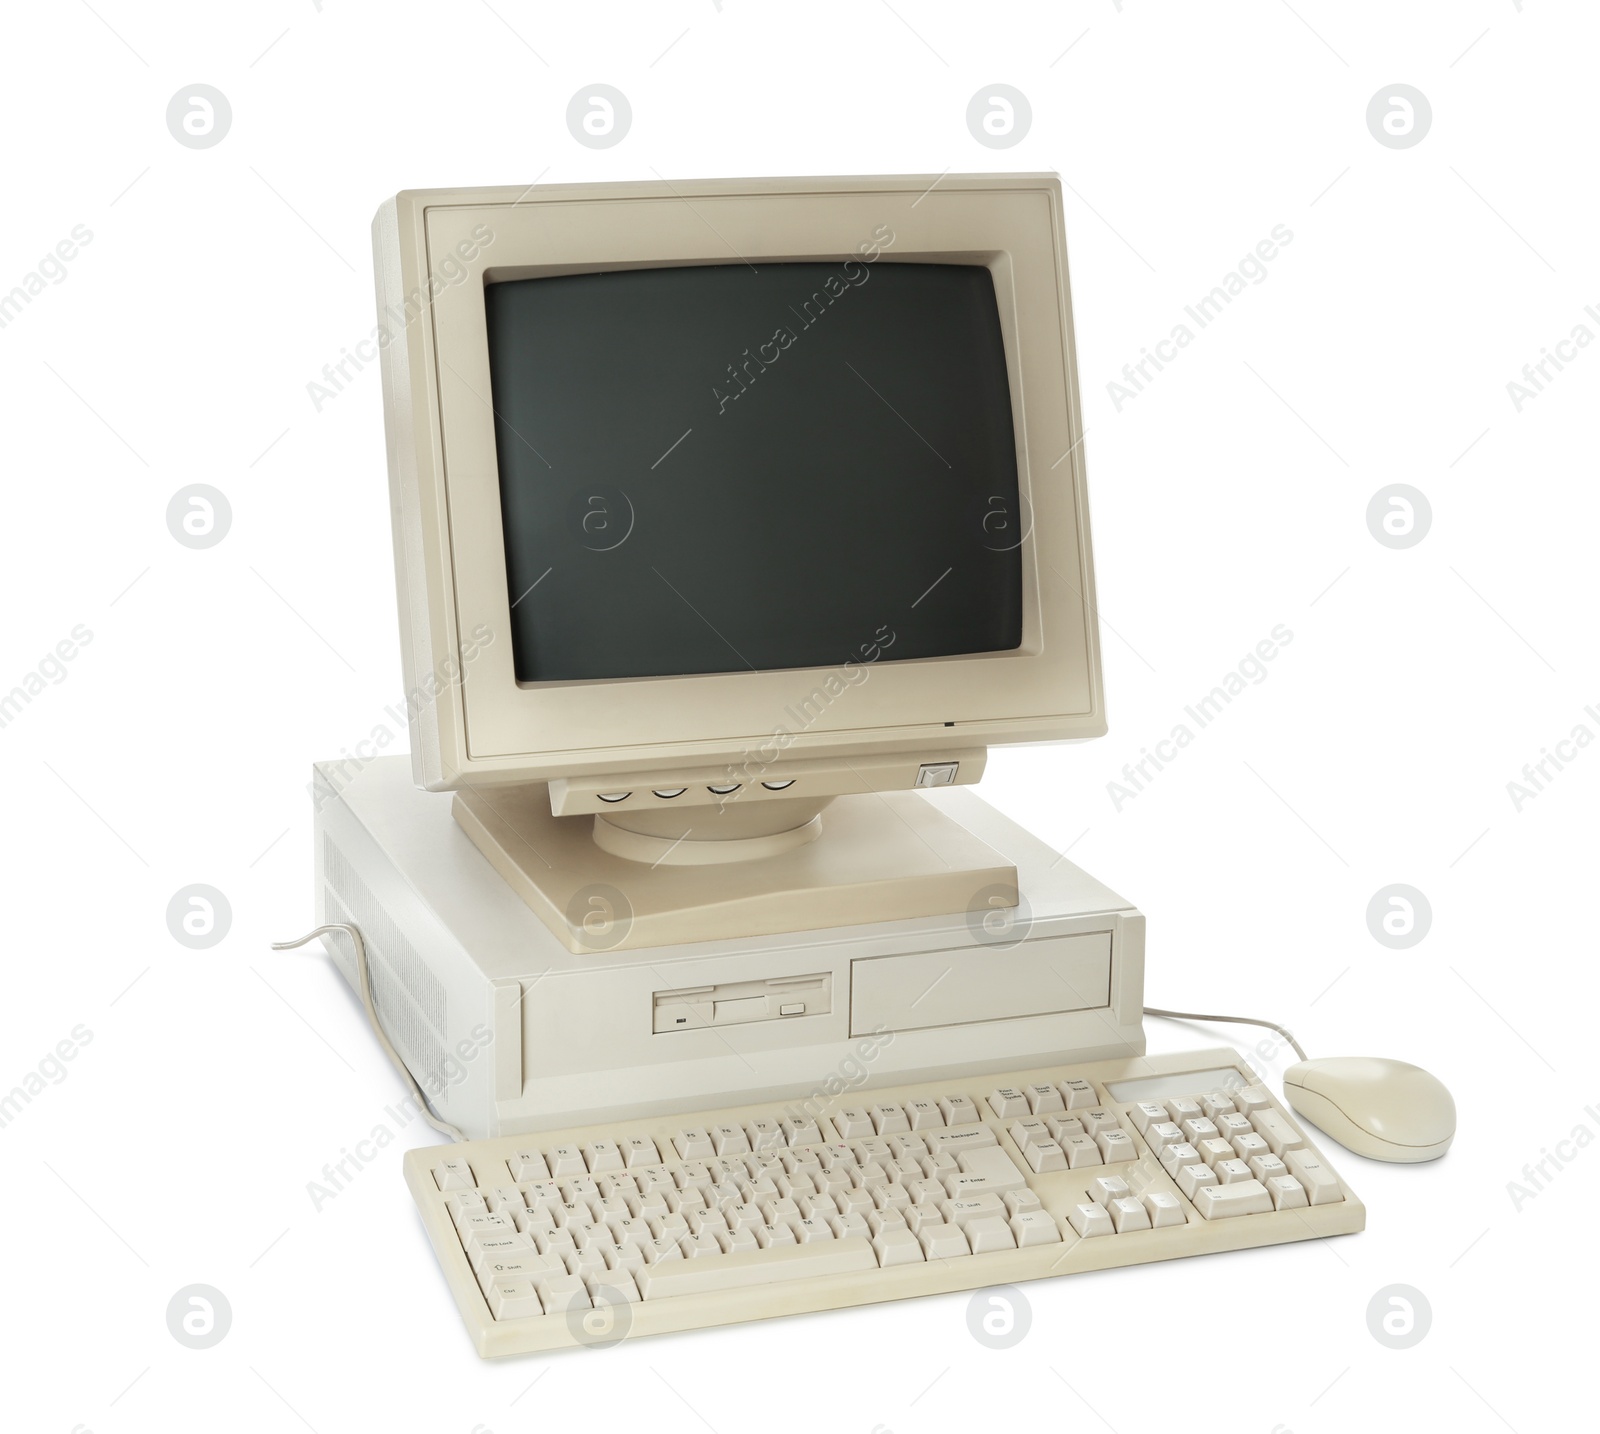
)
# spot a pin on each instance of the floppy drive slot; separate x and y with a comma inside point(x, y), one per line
point(738, 1003)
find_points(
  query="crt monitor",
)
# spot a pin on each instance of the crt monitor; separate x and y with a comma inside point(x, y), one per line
point(728, 486)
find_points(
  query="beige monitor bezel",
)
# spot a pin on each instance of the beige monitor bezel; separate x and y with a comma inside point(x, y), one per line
point(474, 722)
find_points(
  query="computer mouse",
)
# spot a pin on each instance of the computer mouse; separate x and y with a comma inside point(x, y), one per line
point(1385, 1110)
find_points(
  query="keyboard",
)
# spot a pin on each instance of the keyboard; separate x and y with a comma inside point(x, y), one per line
point(586, 1236)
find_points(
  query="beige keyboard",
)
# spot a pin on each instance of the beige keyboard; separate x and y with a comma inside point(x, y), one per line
point(589, 1235)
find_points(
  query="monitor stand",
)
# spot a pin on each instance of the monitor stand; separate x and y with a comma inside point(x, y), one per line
point(658, 880)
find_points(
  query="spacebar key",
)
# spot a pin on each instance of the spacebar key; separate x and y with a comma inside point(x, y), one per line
point(669, 1278)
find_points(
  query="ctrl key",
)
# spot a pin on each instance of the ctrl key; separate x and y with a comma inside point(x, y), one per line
point(515, 1299)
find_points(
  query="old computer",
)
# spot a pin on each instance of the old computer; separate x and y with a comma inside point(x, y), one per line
point(733, 522)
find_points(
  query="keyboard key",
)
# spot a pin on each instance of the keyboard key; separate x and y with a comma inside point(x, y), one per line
point(1193, 1178)
point(1103, 1189)
point(897, 1246)
point(476, 1228)
point(800, 1130)
point(1266, 1167)
point(1029, 1131)
point(1147, 1113)
point(924, 1114)
point(504, 1199)
point(1081, 1151)
point(1287, 1193)
point(989, 1233)
point(528, 1165)
point(561, 1293)
point(1244, 1197)
point(638, 1150)
point(1251, 1098)
point(1128, 1214)
point(670, 1279)
point(1175, 1157)
point(943, 1242)
point(1215, 1150)
point(993, 1162)
point(528, 1266)
point(1164, 1209)
point(1217, 1102)
point(1062, 1126)
point(1197, 1129)
point(974, 1207)
point(1045, 1159)
point(889, 1119)
point(566, 1160)
point(483, 1253)
point(1078, 1094)
point(853, 1122)
point(958, 1110)
point(693, 1144)
point(615, 1287)
point(602, 1156)
point(584, 1263)
point(1277, 1132)
point(454, 1175)
point(1321, 1184)
point(1232, 1126)
point(1182, 1108)
point(1116, 1146)
point(1162, 1134)
point(766, 1136)
point(1007, 1101)
point(1020, 1202)
point(1098, 1119)
point(515, 1299)
point(729, 1140)
point(1044, 1098)
point(965, 1137)
point(1247, 1147)
point(1090, 1219)
point(1231, 1172)
point(1034, 1227)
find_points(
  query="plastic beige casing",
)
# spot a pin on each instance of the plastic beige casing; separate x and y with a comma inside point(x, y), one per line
point(514, 1032)
point(1057, 1192)
point(436, 250)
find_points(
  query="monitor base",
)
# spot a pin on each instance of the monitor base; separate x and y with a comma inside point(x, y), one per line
point(881, 857)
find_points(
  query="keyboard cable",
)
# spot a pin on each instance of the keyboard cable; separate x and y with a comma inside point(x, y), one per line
point(354, 933)
point(1232, 1020)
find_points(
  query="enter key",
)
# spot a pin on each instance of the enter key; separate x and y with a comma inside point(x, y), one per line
point(988, 1169)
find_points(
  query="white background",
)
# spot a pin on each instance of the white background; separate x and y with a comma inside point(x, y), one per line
point(1229, 497)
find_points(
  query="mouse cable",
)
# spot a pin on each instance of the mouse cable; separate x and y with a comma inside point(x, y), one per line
point(1232, 1020)
point(354, 933)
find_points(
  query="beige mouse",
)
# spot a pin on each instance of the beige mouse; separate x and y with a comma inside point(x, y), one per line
point(1385, 1110)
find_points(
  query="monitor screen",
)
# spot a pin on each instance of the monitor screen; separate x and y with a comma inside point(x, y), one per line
point(722, 468)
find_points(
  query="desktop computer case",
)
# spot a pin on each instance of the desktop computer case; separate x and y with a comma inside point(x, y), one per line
point(510, 1032)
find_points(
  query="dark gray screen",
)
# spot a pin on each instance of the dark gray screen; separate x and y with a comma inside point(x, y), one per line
point(716, 469)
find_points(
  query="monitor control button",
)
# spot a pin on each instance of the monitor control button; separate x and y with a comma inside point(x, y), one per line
point(613, 796)
point(778, 786)
point(724, 791)
point(937, 774)
point(668, 793)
